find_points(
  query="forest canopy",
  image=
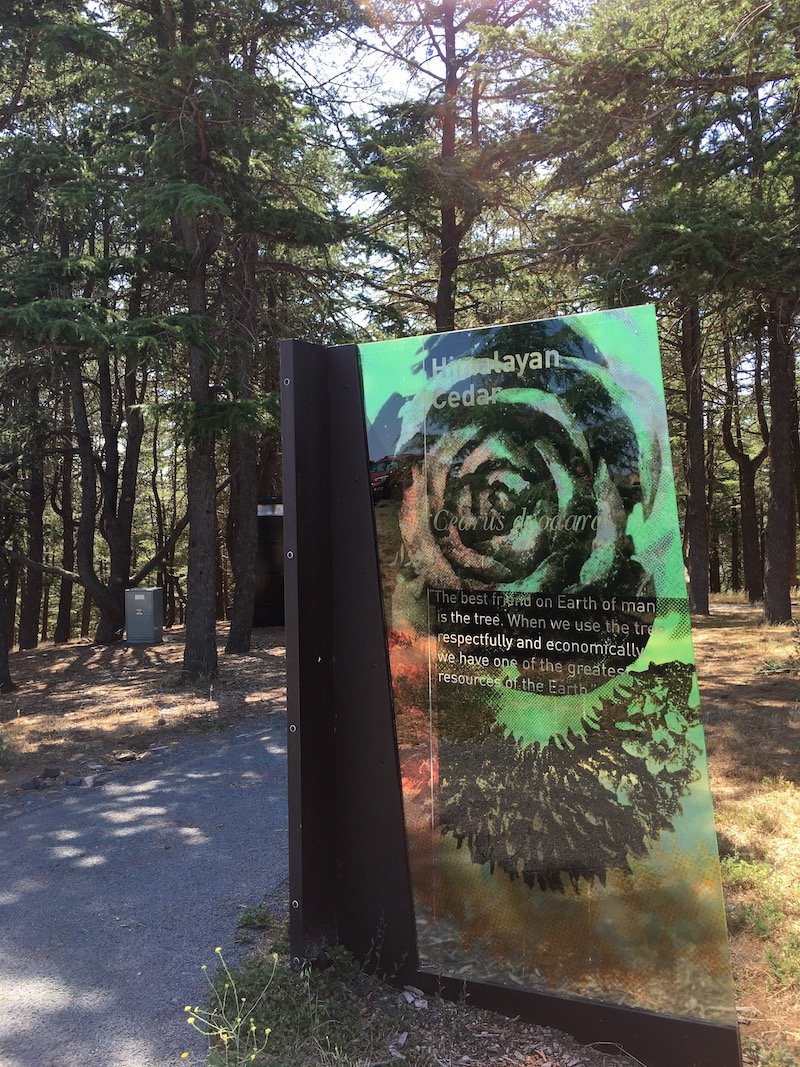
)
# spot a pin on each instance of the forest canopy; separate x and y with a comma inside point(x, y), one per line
point(183, 184)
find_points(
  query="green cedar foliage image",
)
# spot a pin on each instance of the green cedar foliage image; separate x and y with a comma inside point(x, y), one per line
point(558, 815)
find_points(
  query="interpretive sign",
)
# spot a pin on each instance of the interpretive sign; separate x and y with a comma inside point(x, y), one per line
point(541, 701)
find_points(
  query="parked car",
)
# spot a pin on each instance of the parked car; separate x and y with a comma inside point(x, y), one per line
point(379, 473)
point(390, 476)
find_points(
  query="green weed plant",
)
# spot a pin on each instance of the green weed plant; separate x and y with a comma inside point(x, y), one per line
point(229, 1022)
point(336, 1013)
point(784, 961)
point(257, 917)
point(762, 1057)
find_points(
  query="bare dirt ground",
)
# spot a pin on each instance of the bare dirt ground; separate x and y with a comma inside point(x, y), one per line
point(750, 692)
point(80, 707)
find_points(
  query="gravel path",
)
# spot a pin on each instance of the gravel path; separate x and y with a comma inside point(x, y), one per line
point(112, 895)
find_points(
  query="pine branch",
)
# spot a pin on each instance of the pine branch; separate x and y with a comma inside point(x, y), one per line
point(44, 568)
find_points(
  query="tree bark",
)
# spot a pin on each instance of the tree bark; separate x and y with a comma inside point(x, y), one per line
point(86, 613)
point(781, 528)
point(751, 534)
point(63, 628)
point(241, 530)
point(46, 587)
point(747, 466)
point(158, 506)
point(697, 515)
point(31, 605)
point(795, 435)
point(119, 486)
point(714, 562)
point(119, 397)
point(9, 616)
point(170, 613)
point(6, 681)
point(736, 565)
point(110, 604)
point(198, 235)
point(222, 584)
point(66, 511)
point(200, 650)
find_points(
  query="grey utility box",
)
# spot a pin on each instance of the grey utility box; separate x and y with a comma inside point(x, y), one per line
point(144, 616)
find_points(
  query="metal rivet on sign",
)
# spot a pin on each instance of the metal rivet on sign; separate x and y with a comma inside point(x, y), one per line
point(290, 555)
point(287, 381)
point(295, 903)
point(293, 729)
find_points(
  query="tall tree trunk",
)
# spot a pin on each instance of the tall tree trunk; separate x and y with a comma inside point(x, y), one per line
point(751, 534)
point(200, 650)
point(241, 529)
point(66, 511)
point(170, 612)
point(794, 423)
point(47, 585)
point(9, 616)
point(63, 627)
point(697, 515)
point(86, 613)
point(736, 564)
point(110, 603)
point(181, 600)
point(158, 506)
point(199, 236)
point(781, 527)
point(31, 605)
point(795, 432)
point(747, 466)
point(6, 681)
point(222, 585)
point(714, 564)
point(119, 484)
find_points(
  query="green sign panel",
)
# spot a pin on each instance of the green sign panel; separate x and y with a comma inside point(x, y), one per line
point(557, 809)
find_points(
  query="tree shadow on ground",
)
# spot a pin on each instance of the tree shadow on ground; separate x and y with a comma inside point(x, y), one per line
point(111, 898)
point(750, 695)
point(84, 702)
